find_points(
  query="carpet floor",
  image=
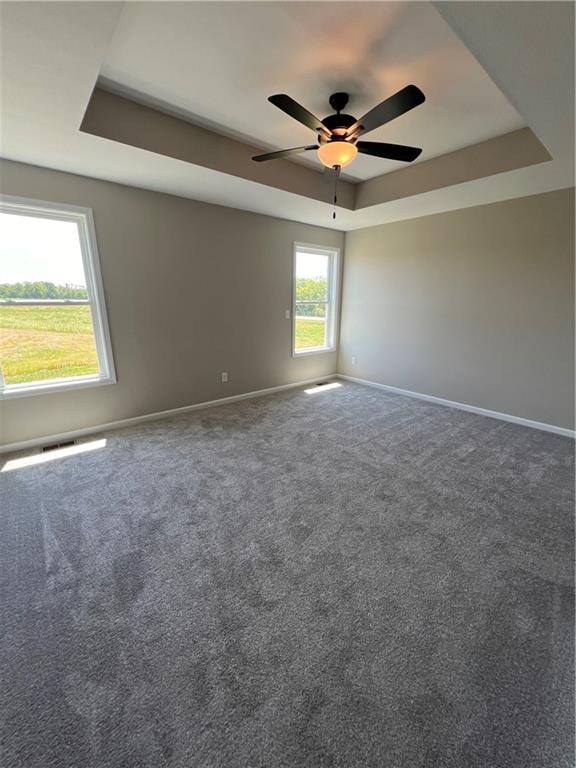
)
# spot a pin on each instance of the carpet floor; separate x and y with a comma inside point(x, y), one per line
point(346, 578)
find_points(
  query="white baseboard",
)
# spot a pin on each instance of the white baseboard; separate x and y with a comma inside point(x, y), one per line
point(72, 435)
point(464, 407)
point(61, 437)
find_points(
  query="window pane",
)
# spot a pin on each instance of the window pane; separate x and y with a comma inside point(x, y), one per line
point(46, 329)
point(311, 276)
point(310, 326)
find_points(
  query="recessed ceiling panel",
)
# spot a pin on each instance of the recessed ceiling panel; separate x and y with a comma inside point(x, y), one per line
point(217, 62)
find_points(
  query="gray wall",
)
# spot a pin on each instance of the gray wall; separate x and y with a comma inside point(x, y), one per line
point(476, 306)
point(166, 261)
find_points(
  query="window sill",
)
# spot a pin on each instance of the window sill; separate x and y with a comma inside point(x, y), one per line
point(314, 351)
point(9, 392)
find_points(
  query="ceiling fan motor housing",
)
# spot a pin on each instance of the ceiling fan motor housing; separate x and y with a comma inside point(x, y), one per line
point(337, 123)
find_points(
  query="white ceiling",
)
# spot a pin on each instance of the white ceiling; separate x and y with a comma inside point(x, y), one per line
point(218, 62)
point(53, 54)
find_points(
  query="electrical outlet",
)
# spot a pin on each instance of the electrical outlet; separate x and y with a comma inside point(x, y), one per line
point(287, 314)
point(224, 377)
point(353, 359)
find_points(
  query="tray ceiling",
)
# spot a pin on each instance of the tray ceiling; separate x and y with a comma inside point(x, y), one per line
point(217, 62)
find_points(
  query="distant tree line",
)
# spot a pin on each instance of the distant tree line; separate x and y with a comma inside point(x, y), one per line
point(307, 289)
point(311, 289)
point(41, 290)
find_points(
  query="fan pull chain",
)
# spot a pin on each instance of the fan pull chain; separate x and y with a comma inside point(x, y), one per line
point(336, 174)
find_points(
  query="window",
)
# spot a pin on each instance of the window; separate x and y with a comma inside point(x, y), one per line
point(53, 327)
point(314, 303)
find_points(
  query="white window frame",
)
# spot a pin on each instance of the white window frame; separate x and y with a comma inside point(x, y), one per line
point(84, 221)
point(331, 304)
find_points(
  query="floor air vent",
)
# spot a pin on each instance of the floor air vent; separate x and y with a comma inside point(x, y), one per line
point(54, 446)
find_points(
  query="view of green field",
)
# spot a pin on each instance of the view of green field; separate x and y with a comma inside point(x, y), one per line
point(38, 343)
point(310, 308)
point(310, 333)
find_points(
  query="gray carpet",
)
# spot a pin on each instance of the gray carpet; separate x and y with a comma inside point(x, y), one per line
point(348, 578)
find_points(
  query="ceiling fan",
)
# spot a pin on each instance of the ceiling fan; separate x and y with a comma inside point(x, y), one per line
point(338, 134)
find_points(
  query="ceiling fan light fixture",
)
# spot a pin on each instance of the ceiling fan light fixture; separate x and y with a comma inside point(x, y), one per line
point(336, 152)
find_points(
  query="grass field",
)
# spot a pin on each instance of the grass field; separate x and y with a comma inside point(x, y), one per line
point(42, 343)
point(309, 333)
point(38, 343)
